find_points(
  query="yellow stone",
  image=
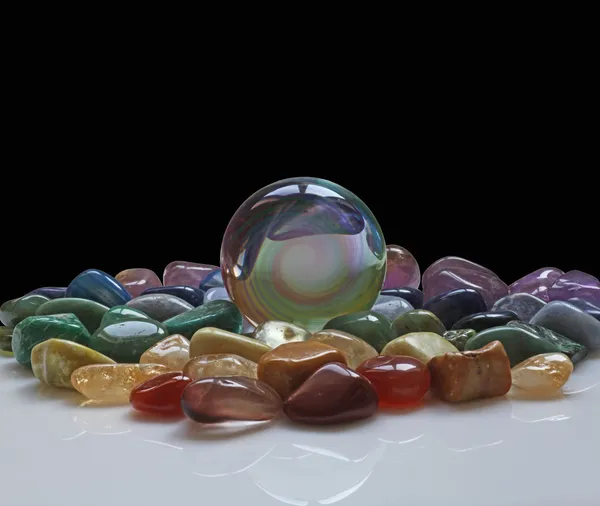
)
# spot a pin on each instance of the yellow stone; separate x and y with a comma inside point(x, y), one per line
point(354, 349)
point(54, 361)
point(220, 364)
point(210, 340)
point(173, 352)
point(113, 382)
point(544, 372)
point(275, 333)
point(420, 345)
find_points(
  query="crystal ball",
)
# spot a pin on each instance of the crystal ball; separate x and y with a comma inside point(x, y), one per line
point(303, 250)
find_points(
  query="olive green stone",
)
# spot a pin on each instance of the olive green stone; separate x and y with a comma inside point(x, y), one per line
point(459, 337)
point(126, 340)
point(418, 320)
point(221, 314)
point(6, 338)
point(89, 312)
point(370, 326)
point(37, 329)
point(16, 310)
point(119, 313)
point(520, 344)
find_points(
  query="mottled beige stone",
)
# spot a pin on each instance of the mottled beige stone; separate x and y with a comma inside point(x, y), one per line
point(420, 345)
point(220, 364)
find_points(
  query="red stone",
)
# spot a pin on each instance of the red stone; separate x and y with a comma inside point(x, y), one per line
point(160, 395)
point(400, 381)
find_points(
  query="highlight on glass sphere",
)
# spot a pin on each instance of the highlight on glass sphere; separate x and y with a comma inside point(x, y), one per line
point(303, 250)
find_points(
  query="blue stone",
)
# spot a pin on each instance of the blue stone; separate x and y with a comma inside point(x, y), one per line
point(190, 294)
point(213, 280)
point(98, 286)
point(588, 307)
point(451, 306)
point(413, 296)
point(52, 292)
point(486, 320)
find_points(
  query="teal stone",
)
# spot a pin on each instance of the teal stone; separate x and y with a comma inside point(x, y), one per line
point(370, 326)
point(16, 310)
point(6, 338)
point(121, 313)
point(221, 314)
point(459, 337)
point(37, 329)
point(90, 313)
point(519, 343)
point(126, 340)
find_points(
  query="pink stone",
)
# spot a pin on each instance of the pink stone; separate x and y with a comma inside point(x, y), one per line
point(450, 273)
point(186, 273)
point(136, 281)
point(576, 284)
point(537, 283)
point(402, 269)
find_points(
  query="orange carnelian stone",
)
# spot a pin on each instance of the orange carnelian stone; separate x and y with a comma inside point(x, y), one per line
point(399, 380)
point(160, 395)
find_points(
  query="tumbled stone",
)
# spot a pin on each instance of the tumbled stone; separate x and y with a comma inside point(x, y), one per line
point(16, 310)
point(459, 337)
point(469, 375)
point(391, 307)
point(413, 296)
point(485, 320)
point(121, 313)
point(451, 306)
point(190, 294)
point(286, 367)
point(212, 280)
point(221, 314)
point(418, 320)
point(186, 273)
point(219, 365)
point(402, 268)
point(576, 284)
point(160, 306)
point(372, 327)
point(137, 280)
point(354, 349)
point(217, 293)
point(273, 333)
point(6, 339)
point(571, 322)
point(210, 340)
point(537, 283)
point(586, 306)
point(450, 273)
point(98, 286)
point(54, 361)
point(333, 394)
point(173, 352)
point(36, 329)
point(160, 395)
point(113, 383)
point(523, 304)
point(52, 292)
point(542, 373)
point(90, 313)
point(420, 345)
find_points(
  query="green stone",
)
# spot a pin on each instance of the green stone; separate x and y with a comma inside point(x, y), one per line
point(37, 329)
point(370, 326)
point(126, 340)
point(6, 338)
point(16, 310)
point(459, 337)
point(90, 313)
point(575, 351)
point(221, 314)
point(120, 313)
point(418, 320)
point(520, 344)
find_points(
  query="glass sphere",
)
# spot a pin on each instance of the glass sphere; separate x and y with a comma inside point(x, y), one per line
point(303, 250)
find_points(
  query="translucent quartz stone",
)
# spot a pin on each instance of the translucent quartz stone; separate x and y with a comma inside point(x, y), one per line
point(186, 273)
point(137, 280)
point(354, 349)
point(113, 382)
point(545, 372)
point(219, 365)
point(420, 345)
point(273, 333)
point(173, 352)
point(402, 268)
point(160, 395)
point(210, 340)
point(212, 400)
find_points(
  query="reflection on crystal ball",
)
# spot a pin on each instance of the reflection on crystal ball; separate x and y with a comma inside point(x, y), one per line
point(303, 250)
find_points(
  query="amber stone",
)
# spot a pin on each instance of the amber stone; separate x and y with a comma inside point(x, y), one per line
point(334, 393)
point(210, 340)
point(220, 364)
point(543, 373)
point(211, 400)
point(160, 395)
point(399, 381)
point(173, 352)
point(354, 349)
point(286, 367)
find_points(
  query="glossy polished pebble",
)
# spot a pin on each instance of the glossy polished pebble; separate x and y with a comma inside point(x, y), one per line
point(54, 361)
point(217, 293)
point(160, 395)
point(374, 328)
point(221, 314)
point(173, 352)
point(190, 294)
point(542, 373)
point(213, 400)
point(286, 367)
point(113, 383)
point(413, 296)
point(420, 345)
point(121, 313)
point(137, 280)
point(332, 394)
point(274, 333)
point(576, 284)
point(469, 375)
point(160, 306)
point(523, 304)
point(391, 307)
point(451, 306)
point(125, 341)
point(186, 273)
point(586, 306)
point(6, 339)
point(354, 349)
point(52, 292)
point(212, 280)
point(98, 286)
point(210, 340)
point(485, 320)
point(399, 381)
point(219, 365)
point(459, 337)
point(402, 268)
point(36, 329)
point(418, 320)
point(90, 313)
point(537, 283)
point(16, 310)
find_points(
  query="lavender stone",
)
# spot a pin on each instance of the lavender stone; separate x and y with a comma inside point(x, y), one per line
point(537, 282)
point(576, 284)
